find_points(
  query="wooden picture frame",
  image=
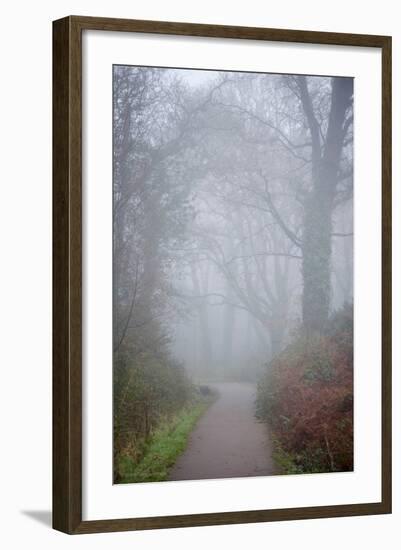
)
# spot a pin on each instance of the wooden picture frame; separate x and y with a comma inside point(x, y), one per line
point(67, 273)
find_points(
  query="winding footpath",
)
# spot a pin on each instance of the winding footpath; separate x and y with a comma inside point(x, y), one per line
point(227, 441)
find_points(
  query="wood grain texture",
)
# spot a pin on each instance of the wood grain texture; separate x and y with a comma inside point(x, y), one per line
point(227, 31)
point(386, 275)
point(67, 277)
point(67, 274)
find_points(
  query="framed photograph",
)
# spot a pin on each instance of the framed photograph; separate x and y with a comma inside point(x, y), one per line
point(222, 274)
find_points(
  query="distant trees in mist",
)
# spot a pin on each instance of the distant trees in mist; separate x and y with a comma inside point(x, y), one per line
point(248, 173)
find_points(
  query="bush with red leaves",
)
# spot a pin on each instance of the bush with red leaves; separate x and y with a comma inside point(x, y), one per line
point(306, 396)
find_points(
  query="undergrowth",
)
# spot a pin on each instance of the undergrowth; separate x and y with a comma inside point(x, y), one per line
point(164, 446)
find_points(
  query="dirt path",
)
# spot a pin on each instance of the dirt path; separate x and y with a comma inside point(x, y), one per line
point(227, 441)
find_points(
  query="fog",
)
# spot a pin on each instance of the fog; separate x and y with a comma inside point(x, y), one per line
point(233, 214)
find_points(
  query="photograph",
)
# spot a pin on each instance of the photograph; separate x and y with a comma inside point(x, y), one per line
point(233, 261)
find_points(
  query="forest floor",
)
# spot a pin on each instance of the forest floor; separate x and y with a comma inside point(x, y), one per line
point(227, 441)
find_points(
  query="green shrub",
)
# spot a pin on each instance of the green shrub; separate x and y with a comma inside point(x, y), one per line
point(148, 391)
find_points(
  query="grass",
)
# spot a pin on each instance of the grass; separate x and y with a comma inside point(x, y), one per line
point(283, 460)
point(305, 462)
point(164, 447)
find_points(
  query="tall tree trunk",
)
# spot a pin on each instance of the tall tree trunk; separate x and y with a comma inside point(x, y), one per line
point(228, 337)
point(316, 261)
point(281, 303)
point(229, 313)
point(276, 338)
point(206, 346)
point(316, 242)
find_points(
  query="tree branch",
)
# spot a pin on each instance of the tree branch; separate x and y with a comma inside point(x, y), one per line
point(310, 116)
point(289, 233)
point(268, 254)
point(131, 309)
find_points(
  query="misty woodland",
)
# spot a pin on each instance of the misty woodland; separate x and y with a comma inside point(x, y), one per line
point(232, 274)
